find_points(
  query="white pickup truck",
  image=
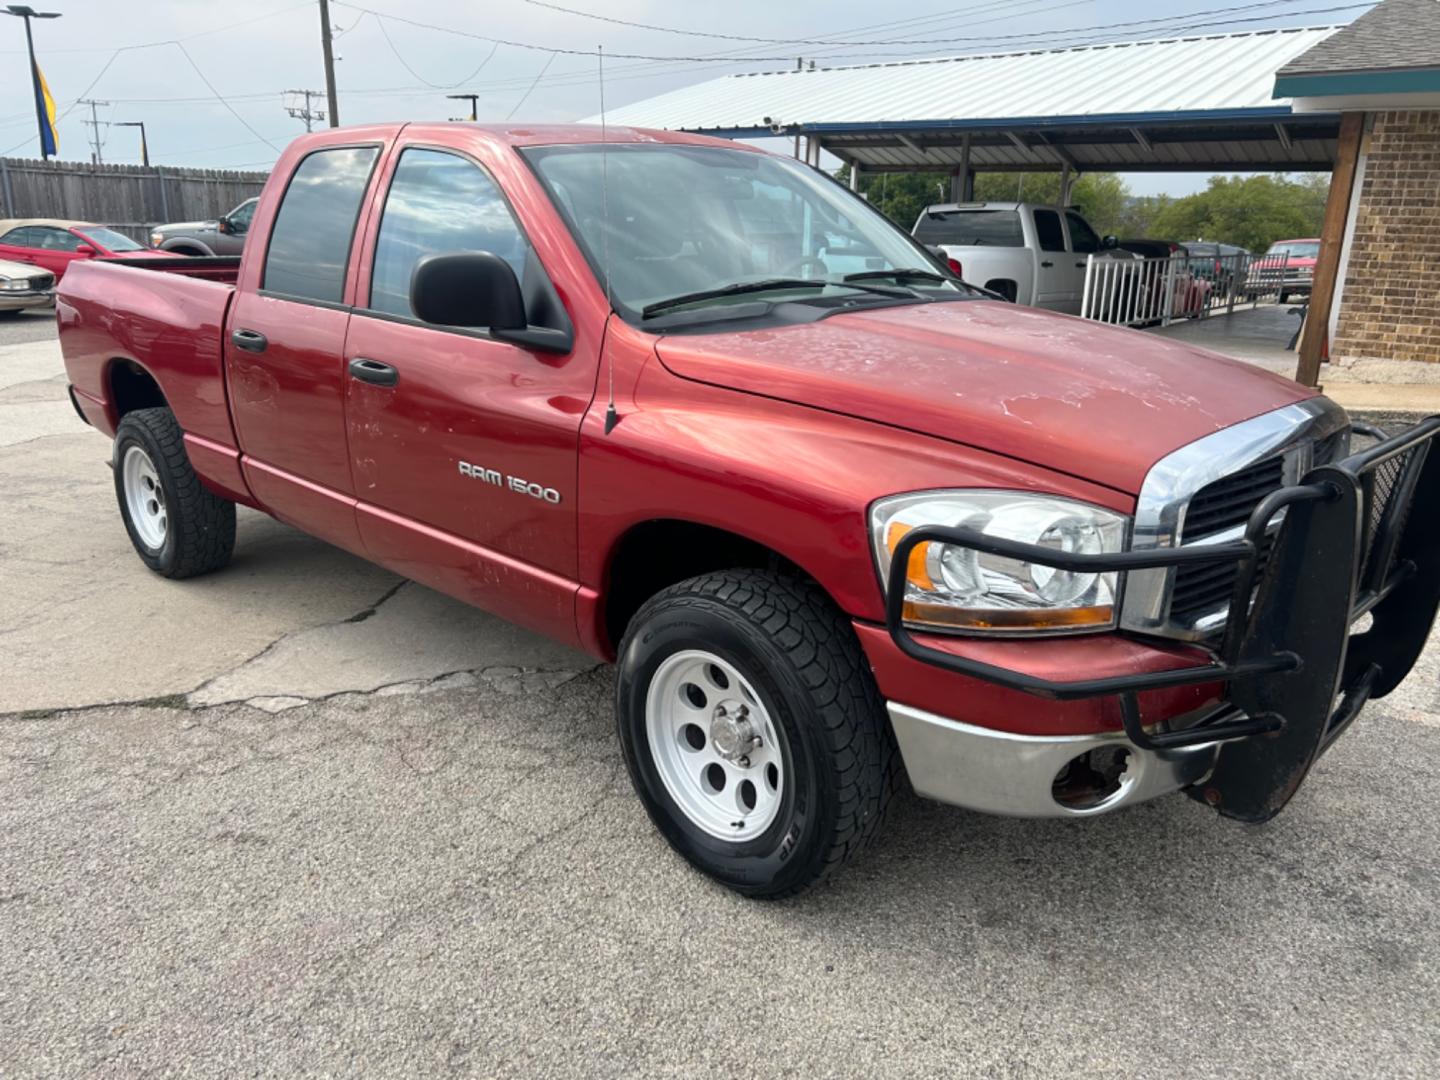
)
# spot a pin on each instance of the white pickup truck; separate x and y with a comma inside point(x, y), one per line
point(1029, 254)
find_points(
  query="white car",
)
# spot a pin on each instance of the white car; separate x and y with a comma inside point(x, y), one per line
point(1029, 254)
point(24, 286)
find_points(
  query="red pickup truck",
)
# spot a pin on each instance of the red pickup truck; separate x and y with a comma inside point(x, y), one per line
point(837, 517)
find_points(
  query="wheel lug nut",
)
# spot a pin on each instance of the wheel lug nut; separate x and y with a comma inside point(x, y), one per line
point(744, 762)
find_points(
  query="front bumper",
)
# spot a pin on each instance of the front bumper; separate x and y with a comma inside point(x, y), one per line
point(1000, 772)
point(1358, 539)
point(17, 300)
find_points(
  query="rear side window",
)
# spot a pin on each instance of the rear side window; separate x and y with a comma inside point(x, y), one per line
point(1048, 231)
point(992, 228)
point(21, 237)
point(310, 241)
point(1082, 237)
point(438, 204)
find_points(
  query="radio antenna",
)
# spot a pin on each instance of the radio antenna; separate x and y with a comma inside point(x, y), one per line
point(611, 416)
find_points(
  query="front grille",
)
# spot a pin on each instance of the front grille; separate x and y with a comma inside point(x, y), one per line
point(1228, 501)
point(1227, 504)
point(42, 282)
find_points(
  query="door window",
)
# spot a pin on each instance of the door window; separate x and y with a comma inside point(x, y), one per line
point(55, 240)
point(240, 217)
point(310, 243)
point(1048, 232)
point(438, 203)
point(1082, 237)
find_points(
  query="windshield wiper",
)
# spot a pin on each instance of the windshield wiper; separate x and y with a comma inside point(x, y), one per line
point(911, 273)
point(735, 288)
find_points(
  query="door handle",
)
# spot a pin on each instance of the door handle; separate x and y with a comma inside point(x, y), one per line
point(249, 340)
point(372, 371)
point(1080, 265)
point(1047, 265)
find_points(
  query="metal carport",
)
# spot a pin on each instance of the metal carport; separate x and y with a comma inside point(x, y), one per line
point(1179, 104)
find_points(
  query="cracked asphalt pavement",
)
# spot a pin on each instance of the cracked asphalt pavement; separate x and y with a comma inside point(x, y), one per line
point(302, 818)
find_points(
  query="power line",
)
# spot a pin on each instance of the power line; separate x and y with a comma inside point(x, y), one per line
point(548, 61)
point(934, 40)
point(433, 85)
point(233, 112)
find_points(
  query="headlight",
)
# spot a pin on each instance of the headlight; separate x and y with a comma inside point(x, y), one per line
point(958, 588)
point(156, 239)
point(5, 283)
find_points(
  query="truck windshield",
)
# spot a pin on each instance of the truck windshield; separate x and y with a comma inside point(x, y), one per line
point(711, 228)
point(1298, 249)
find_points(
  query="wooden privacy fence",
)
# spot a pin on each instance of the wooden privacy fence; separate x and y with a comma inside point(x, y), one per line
point(130, 198)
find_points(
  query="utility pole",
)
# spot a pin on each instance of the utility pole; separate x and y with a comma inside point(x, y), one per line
point(305, 112)
point(22, 11)
point(144, 142)
point(325, 45)
point(95, 124)
point(472, 98)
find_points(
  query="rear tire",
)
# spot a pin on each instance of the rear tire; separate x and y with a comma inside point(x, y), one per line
point(179, 527)
point(817, 762)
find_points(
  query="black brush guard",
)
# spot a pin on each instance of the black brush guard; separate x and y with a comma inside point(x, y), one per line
point(1361, 536)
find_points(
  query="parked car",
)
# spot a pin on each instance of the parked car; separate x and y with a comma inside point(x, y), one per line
point(223, 236)
point(1300, 257)
point(1225, 266)
point(53, 245)
point(830, 524)
point(24, 285)
point(1029, 254)
point(1168, 267)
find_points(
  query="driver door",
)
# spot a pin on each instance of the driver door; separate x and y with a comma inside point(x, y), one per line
point(463, 448)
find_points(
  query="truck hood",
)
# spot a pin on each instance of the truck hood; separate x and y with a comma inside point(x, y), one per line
point(185, 227)
point(1096, 402)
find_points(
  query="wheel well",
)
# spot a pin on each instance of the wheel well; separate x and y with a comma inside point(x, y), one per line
point(185, 249)
point(1004, 287)
point(132, 387)
point(657, 554)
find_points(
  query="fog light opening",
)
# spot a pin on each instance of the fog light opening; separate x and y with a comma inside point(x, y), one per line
point(1093, 779)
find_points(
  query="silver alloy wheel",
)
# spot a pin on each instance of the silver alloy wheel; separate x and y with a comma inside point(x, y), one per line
point(144, 498)
point(715, 745)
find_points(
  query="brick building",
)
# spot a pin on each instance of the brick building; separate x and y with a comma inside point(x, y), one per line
point(1377, 285)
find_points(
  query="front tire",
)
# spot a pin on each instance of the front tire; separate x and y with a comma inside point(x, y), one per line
point(753, 731)
point(178, 527)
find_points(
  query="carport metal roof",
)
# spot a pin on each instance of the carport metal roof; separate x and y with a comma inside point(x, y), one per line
point(1200, 103)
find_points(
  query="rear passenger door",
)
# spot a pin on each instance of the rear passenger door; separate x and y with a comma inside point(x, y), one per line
point(285, 344)
point(1052, 281)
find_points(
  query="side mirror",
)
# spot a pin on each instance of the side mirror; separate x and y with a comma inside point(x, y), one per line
point(1110, 243)
point(223, 225)
point(86, 251)
point(472, 288)
point(479, 289)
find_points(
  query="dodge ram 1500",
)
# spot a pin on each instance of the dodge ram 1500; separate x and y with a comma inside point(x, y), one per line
point(837, 518)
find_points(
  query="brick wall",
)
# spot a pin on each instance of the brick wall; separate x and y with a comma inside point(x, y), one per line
point(1391, 304)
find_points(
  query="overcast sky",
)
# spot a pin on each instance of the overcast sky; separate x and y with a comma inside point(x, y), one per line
point(251, 53)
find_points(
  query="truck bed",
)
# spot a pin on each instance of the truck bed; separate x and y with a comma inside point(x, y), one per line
point(124, 322)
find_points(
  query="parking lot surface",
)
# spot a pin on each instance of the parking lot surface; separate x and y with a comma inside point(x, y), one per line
point(302, 818)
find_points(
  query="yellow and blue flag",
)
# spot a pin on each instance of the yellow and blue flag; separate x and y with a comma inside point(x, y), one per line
point(49, 138)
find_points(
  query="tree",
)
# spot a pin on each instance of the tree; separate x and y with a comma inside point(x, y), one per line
point(1101, 197)
point(1252, 212)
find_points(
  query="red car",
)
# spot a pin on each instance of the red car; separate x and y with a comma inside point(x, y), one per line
point(53, 245)
point(1300, 257)
point(835, 516)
